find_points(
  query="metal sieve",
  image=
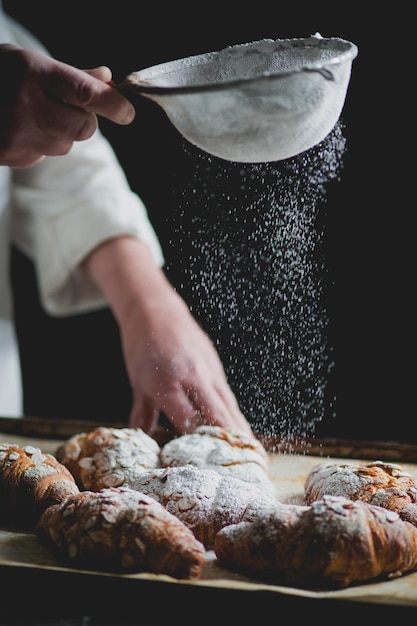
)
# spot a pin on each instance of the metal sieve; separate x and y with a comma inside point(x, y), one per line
point(262, 101)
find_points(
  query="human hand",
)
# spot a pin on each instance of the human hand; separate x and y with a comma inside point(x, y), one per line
point(172, 365)
point(46, 105)
point(174, 368)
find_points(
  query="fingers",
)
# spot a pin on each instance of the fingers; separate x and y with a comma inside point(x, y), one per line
point(218, 407)
point(63, 124)
point(187, 409)
point(21, 160)
point(86, 90)
point(48, 105)
point(51, 129)
point(144, 414)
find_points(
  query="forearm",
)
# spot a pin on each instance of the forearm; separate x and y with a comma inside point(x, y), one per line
point(171, 362)
point(126, 272)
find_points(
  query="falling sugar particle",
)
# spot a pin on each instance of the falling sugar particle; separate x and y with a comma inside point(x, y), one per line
point(256, 276)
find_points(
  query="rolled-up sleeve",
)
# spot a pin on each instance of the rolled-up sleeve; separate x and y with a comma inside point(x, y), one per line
point(63, 208)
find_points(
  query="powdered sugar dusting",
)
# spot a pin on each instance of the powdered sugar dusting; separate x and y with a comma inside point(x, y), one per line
point(334, 480)
point(229, 454)
point(109, 457)
point(378, 483)
point(202, 498)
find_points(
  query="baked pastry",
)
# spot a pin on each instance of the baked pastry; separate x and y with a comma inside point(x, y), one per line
point(333, 543)
point(230, 453)
point(121, 530)
point(202, 498)
point(30, 481)
point(108, 457)
point(382, 484)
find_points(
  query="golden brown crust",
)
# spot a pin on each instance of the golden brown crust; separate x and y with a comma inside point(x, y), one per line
point(121, 530)
point(108, 457)
point(30, 481)
point(333, 543)
point(382, 484)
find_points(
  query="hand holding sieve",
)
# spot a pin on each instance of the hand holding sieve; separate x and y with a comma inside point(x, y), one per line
point(262, 101)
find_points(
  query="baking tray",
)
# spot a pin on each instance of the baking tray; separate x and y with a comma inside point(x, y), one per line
point(51, 428)
point(26, 564)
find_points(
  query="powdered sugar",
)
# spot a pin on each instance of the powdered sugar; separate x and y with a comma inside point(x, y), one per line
point(202, 498)
point(382, 484)
point(229, 454)
point(332, 479)
point(109, 457)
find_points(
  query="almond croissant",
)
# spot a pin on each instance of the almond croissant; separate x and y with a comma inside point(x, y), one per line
point(333, 543)
point(119, 529)
point(202, 498)
point(382, 484)
point(228, 452)
point(108, 457)
point(30, 482)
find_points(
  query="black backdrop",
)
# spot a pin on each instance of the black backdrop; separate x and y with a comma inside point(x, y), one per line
point(73, 367)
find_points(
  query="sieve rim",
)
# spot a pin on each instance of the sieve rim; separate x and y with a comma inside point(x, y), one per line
point(141, 80)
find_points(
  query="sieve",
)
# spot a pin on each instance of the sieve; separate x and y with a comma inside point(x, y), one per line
point(261, 101)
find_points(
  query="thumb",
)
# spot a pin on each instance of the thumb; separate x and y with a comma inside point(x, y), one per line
point(102, 72)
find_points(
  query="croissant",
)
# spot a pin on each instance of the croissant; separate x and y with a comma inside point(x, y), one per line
point(230, 453)
point(120, 530)
point(202, 498)
point(30, 482)
point(108, 457)
point(382, 484)
point(333, 543)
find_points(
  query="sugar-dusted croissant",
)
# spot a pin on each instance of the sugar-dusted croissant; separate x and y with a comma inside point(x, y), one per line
point(108, 457)
point(202, 498)
point(383, 484)
point(119, 529)
point(230, 453)
point(333, 543)
point(30, 482)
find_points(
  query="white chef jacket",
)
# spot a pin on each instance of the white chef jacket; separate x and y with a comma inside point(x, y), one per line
point(56, 212)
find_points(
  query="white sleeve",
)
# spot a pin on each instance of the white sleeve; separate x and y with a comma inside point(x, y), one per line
point(65, 206)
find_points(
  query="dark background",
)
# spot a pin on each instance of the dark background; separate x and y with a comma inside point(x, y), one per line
point(73, 367)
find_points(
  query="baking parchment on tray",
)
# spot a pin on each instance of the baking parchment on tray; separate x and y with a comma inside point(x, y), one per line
point(287, 471)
